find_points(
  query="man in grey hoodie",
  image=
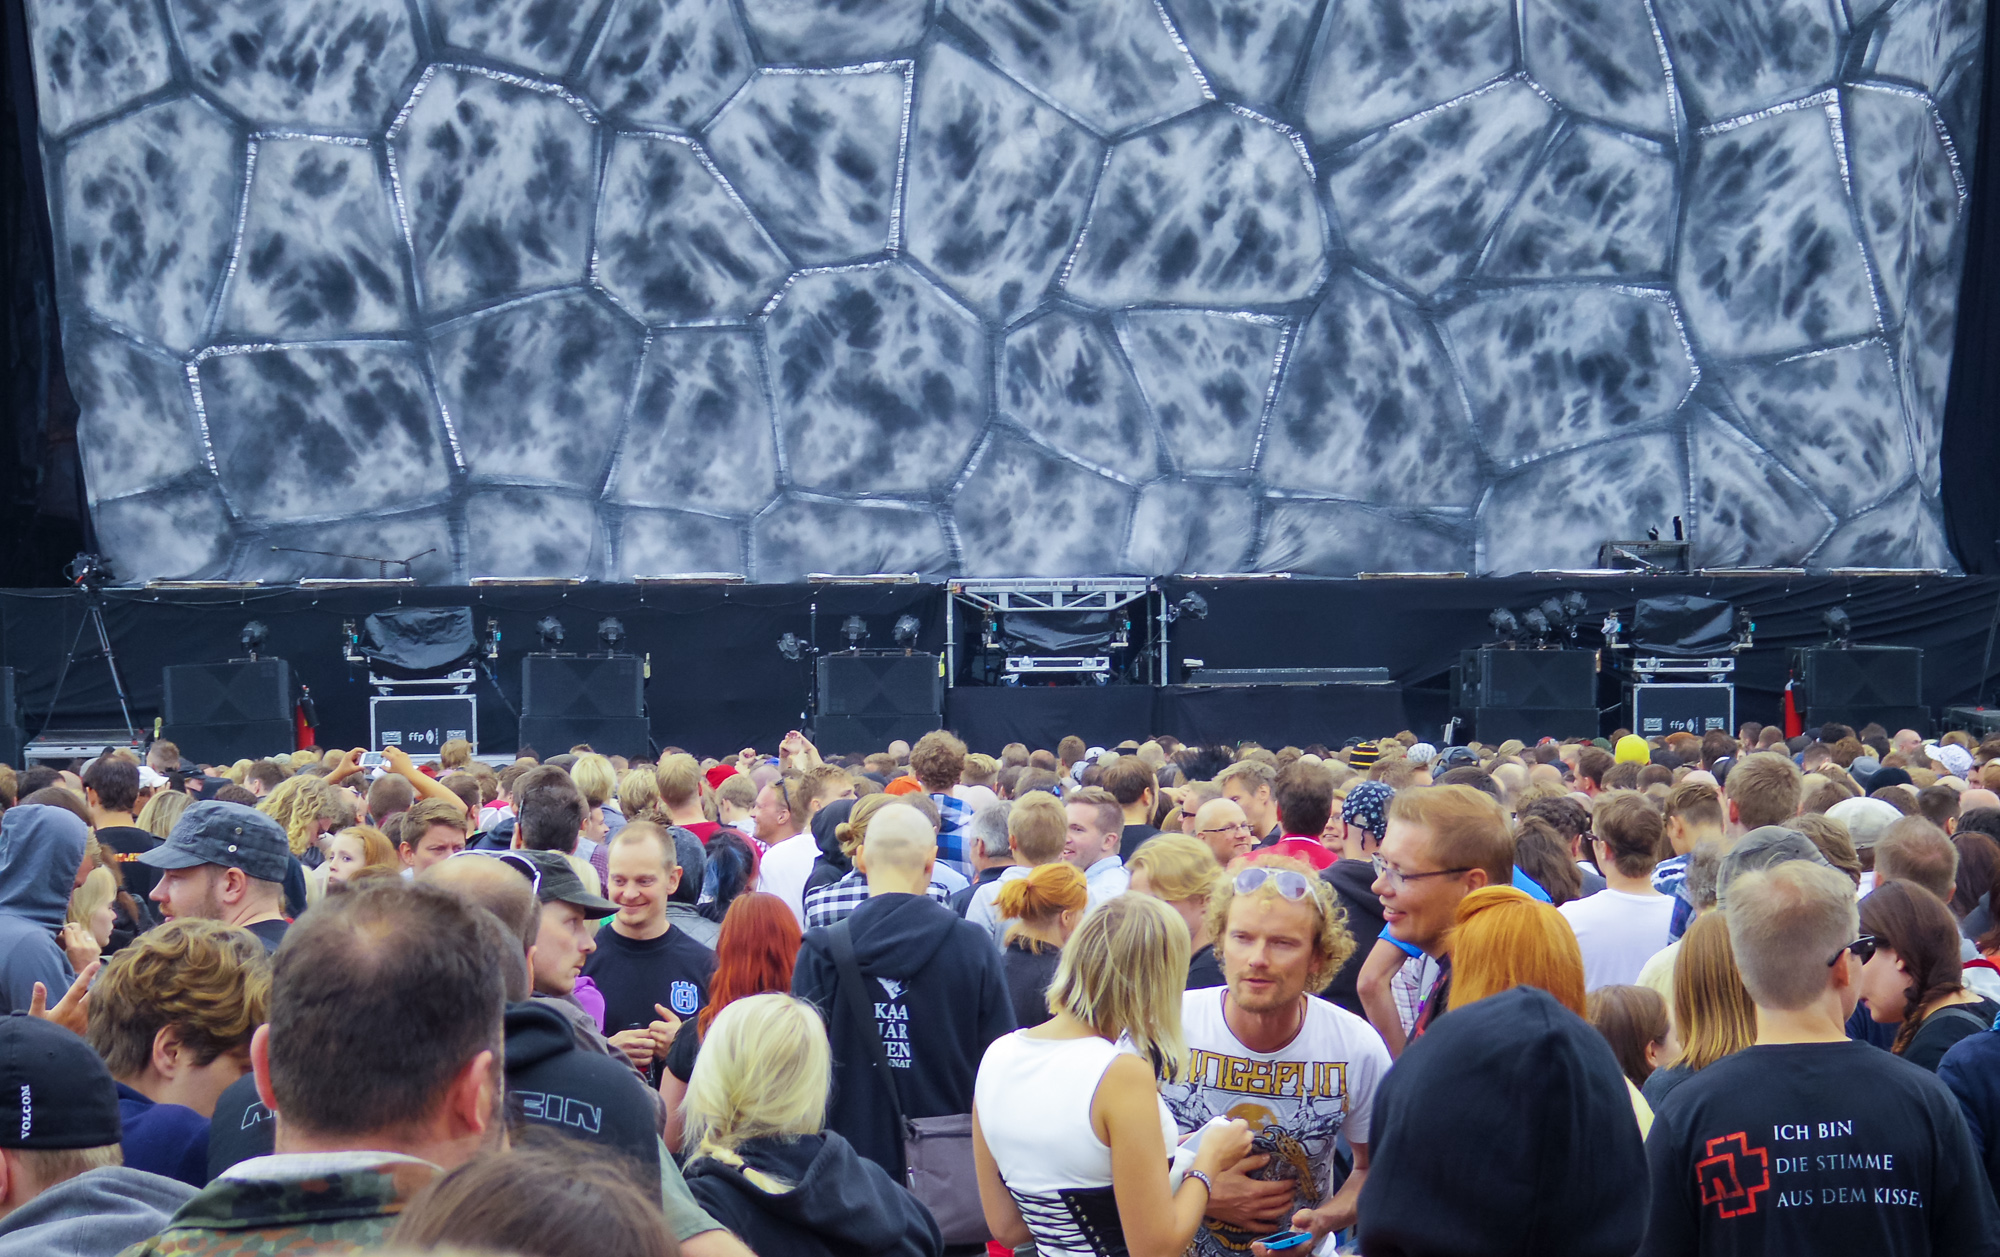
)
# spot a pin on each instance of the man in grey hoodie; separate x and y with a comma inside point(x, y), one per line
point(41, 862)
point(62, 1189)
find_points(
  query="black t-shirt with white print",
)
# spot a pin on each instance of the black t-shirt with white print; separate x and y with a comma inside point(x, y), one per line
point(1815, 1148)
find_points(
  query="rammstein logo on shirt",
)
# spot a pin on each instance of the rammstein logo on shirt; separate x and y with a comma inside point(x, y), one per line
point(1730, 1177)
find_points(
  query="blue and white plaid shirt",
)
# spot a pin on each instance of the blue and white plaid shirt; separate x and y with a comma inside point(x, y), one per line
point(954, 814)
point(836, 901)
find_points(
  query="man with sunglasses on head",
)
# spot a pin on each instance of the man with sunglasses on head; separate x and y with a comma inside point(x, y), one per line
point(1301, 1071)
point(1808, 1142)
point(1441, 844)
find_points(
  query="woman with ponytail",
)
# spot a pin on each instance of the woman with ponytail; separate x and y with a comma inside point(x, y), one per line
point(1914, 976)
point(1045, 907)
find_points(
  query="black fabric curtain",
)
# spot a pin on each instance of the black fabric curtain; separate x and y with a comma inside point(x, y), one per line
point(1972, 413)
point(43, 520)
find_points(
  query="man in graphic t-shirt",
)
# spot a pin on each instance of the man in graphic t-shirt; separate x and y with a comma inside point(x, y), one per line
point(652, 976)
point(1809, 1142)
point(1301, 1071)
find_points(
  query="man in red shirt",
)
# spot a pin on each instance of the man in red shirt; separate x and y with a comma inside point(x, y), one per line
point(1305, 802)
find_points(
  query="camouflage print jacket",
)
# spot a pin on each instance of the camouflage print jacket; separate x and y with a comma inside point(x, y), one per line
point(324, 1202)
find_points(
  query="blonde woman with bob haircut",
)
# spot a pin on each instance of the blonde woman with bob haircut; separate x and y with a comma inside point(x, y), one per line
point(1069, 1131)
point(761, 1161)
point(1182, 872)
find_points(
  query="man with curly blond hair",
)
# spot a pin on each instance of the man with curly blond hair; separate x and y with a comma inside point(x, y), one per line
point(1301, 1071)
point(172, 1015)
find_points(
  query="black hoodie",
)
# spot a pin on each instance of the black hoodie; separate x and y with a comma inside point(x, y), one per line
point(1507, 1129)
point(552, 1082)
point(838, 1205)
point(833, 863)
point(1352, 881)
point(939, 997)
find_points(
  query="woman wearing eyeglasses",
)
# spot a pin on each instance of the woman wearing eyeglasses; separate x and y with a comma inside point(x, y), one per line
point(1911, 973)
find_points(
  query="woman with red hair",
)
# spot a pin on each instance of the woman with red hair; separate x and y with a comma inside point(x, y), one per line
point(754, 955)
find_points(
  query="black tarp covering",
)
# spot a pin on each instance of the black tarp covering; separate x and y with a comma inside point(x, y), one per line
point(1683, 624)
point(417, 640)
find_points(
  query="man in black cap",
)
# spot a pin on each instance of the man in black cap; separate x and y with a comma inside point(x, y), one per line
point(224, 862)
point(1507, 1129)
point(63, 1188)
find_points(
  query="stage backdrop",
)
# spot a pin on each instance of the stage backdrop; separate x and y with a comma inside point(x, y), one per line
point(617, 288)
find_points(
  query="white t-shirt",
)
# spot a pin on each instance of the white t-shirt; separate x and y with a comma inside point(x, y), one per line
point(784, 869)
point(1618, 932)
point(1298, 1099)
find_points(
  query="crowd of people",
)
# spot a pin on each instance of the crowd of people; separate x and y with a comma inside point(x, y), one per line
point(1686, 994)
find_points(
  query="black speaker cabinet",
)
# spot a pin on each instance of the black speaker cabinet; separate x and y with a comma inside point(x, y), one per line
point(571, 700)
point(227, 693)
point(1859, 684)
point(864, 735)
point(1548, 679)
point(630, 736)
point(880, 683)
point(1494, 725)
point(580, 687)
point(218, 713)
point(224, 744)
point(11, 734)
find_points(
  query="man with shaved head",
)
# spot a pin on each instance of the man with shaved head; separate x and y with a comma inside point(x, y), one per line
point(1222, 826)
point(906, 980)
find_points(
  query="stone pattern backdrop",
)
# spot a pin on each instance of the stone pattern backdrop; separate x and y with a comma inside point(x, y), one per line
point(616, 288)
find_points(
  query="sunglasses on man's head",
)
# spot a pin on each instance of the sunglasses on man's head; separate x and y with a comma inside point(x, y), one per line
point(1291, 885)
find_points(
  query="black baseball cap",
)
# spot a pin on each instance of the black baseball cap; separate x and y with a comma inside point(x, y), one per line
point(559, 883)
point(229, 835)
point(54, 1090)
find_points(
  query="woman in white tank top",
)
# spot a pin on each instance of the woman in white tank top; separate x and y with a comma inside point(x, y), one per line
point(1055, 1108)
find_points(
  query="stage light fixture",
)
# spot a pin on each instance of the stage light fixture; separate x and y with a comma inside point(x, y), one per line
point(550, 630)
point(1535, 623)
point(791, 647)
point(907, 627)
point(610, 633)
point(1552, 611)
point(1839, 628)
point(253, 636)
point(1504, 623)
point(855, 630)
point(1192, 603)
point(1575, 605)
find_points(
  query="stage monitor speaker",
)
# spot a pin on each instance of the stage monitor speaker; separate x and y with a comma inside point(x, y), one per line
point(12, 736)
point(224, 744)
point(1551, 680)
point(864, 735)
point(880, 683)
point(630, 736)
point(227, 693)
point(1493, 725)
point(581, 687)
point(1859, 684)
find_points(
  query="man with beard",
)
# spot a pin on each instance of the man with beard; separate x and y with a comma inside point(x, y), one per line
point(224, 862)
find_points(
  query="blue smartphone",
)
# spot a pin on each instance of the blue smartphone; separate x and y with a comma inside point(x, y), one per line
point(1286, 1239)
